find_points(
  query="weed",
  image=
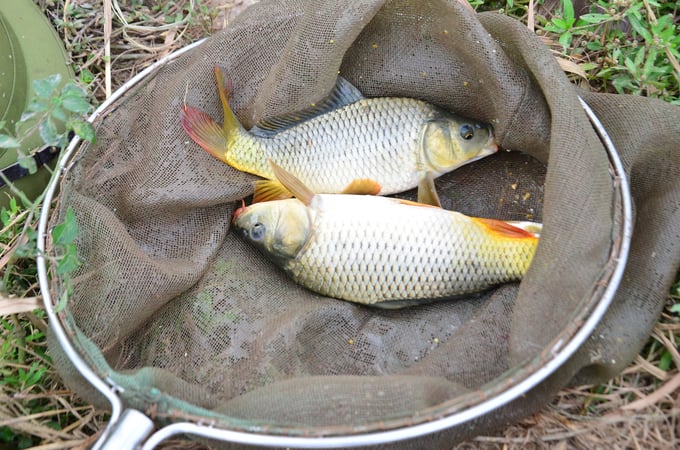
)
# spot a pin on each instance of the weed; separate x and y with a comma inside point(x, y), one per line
point(25, 369)
point(629, 47)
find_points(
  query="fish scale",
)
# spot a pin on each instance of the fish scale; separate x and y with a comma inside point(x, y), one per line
point(345, 144)
point(369, 250)
point(355, 150)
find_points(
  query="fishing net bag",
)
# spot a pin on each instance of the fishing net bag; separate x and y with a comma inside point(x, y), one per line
point(172, 315)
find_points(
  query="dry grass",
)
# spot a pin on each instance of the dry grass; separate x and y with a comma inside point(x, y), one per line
point(640, 409)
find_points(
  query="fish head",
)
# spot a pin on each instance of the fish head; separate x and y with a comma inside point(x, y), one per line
point(279, 229)
point(451, 142)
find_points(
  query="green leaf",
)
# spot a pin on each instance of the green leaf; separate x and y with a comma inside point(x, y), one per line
point(45, 88)
point(63, 299)
point(69, 261)
point(26, 250)
point(560, 23)
point(37, 106)
point(58, 114)
point(86, 77)
point(7, 141)
point(26, 115)
point(588, 66)
point(84, 130)
point(565, 39)
point(28, 163)
point(76, 104)
point(639, 28)
point(665, 361)
point(594, 18)
point(675, 308)
point(568, 10)
point(594, 46)
point(5, 217)
point(631, 65)
point(71, 89)
point(65, 233)
point(48, 132)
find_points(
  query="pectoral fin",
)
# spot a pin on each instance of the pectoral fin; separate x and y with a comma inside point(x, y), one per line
point(267, 190)
point(204, 131)
point(294, 185)
point(363, 186)
point(427, 192)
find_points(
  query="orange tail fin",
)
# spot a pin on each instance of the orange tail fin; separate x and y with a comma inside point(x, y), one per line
point(504, 229)
point(204, 131)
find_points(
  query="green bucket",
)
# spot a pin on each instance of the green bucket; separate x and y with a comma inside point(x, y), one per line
point(30, 50)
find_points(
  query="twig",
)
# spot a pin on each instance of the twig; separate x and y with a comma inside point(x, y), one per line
point(19, 305)
point(651, 368)
point(667, 389)
point(49, 413)
point(58, 445)
point(672, 349)
point(107, 46)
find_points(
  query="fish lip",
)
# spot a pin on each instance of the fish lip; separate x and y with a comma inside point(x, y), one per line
point(491, 145)
point(239, 211)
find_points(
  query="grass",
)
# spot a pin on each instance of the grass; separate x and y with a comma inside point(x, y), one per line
point(617, 46)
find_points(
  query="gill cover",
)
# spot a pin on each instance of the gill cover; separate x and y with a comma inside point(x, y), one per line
point(279, 229)
point(450, 142)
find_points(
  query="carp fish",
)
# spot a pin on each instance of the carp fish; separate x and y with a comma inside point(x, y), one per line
point(345, 143)
point(384, 251)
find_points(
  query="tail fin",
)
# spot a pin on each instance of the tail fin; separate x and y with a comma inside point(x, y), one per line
point(204, 131)
point(530, 227)
point(510, 229)
point(231, 123)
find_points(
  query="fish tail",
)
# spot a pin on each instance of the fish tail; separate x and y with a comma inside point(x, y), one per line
point(530, 227)
point(517, 241)
point(512, 230)
point(205, 131)
point(231, 124)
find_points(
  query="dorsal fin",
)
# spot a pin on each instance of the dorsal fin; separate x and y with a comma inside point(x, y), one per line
point(343, 93)
point(290, 182)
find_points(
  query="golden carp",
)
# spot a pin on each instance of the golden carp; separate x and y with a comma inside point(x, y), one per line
point(345, 144)
point(385, 251)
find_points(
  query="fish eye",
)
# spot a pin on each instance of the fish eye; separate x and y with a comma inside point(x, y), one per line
point(257, 232)
point(467, 132)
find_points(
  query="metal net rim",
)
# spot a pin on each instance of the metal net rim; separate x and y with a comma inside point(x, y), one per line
point(514, 383)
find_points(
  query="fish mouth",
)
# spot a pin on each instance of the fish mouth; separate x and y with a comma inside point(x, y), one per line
point(489, 149)
point(491, 146)
point(239, 211)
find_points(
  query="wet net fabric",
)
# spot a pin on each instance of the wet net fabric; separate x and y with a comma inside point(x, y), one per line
point(194, 323)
